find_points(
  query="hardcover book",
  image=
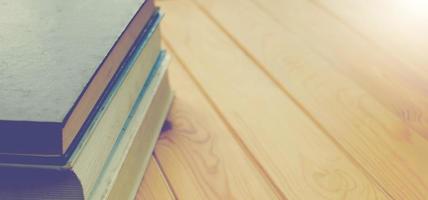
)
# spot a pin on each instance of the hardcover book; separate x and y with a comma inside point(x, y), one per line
point(116, 101)
point(57, 60)
point(116, 176)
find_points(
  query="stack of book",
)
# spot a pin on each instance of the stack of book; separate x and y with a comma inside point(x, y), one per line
point(83, 96)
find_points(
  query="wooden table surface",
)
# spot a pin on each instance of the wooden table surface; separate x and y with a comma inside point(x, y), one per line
point(294, 99)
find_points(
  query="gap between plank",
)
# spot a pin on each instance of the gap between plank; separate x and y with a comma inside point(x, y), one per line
point(277, 191)
point(168, 183)
point(288, 94)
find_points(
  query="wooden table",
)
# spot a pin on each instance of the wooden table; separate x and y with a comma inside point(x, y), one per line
point(294, 99)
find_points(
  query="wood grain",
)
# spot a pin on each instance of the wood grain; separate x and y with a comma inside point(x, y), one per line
point(400, 29)
point(399, 37)
point(295, 154)
point(389, 79)
point(199, 155)
point(154, 184)
point(316, 61)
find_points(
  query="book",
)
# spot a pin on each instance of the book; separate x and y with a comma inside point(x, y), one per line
point(57, 61)
point(111, 114)
point(89, 178)
point(122, 178)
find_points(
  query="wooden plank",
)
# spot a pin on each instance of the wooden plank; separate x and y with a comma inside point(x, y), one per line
point(400, 28)
point(402, 35)
point(292, 150)
point(305, 60)
point(200, 156)
point(391, 80)
point(154, 184)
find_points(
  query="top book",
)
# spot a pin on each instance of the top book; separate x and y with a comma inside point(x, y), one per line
point(57, 59)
